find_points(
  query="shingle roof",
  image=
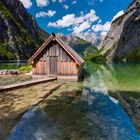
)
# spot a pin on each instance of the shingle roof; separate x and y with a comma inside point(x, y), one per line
point(67, 48)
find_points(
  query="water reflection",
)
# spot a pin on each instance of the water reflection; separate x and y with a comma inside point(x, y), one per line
point(95, 116)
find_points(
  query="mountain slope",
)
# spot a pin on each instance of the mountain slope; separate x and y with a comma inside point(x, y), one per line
point(19, 33)
point(123, 40)
point(81, 46)
point(90, 37)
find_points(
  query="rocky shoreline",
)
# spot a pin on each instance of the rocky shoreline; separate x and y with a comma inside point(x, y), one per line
point(9, 72)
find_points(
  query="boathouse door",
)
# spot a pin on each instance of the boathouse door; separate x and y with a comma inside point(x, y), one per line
point(52, 69)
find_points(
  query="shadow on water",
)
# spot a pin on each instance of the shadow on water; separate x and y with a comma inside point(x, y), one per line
point(93, 116)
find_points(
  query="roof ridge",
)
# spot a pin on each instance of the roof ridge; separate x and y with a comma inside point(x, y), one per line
point(67, 48)
point(71, 50)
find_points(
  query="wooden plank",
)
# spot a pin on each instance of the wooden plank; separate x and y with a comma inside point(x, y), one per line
point(55, 65)
point(25, 84)
point(47, 52)
point(54, 53)
point(60, 53)
point(45, 67)
point(72, 68)
point(68, 68)
point(57, 50)
point(48, 66)
point(52, 66)
point(58, 67)
point(64, 67)
point(52, 50)
point(61, 68)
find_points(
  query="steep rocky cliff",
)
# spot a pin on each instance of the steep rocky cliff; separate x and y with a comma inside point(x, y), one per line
point(19, 33)
point(123, 40)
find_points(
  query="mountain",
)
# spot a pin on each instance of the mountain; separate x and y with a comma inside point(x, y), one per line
point(91, 37)
point(123, 40)
point(20, 35)
point(81, 46)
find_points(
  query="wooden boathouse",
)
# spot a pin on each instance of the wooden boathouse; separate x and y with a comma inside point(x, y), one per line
point(56, 59)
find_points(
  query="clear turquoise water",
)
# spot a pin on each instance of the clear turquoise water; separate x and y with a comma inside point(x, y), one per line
point(95, 116)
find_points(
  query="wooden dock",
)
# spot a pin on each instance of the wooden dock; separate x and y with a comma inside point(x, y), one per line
point(25, 84)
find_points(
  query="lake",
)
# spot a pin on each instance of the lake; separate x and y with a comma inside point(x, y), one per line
point(105, 108)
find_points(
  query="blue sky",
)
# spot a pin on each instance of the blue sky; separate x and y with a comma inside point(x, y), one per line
point(73, 16)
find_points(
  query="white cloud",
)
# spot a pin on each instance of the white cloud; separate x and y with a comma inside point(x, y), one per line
point(83, 26)
point(27, 3)
point(66, 6)
point(102, 28)
point(72, 20)
point(66, 21)
point(42, 3)
point(74, 2)
point(91, 16)
point(99, 21)
point(101, 0)
point(52, 24)
point(120, 13)
point(92, 2)
point(58, 1)
point(61, 0)
point(50, 13)
point(82, 23)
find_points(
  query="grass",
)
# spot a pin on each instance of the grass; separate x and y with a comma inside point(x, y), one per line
point(21, 68)
point(96, 57)
point(25, 68)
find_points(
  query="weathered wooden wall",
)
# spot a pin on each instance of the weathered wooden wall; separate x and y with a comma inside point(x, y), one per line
point(54, 60)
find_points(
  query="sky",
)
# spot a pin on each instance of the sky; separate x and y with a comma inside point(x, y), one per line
point(76, 16)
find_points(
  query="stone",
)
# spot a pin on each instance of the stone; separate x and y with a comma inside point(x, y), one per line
point(124, 35)
point(6, 72)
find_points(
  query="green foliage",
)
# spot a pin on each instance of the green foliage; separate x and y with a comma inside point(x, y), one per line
point(22, 39)
point(134, 56)
point(5, 11)
point(29, 42)
point(10, 17)
point(21, 68)
point(25, 68)
point(19, 39)
point(5, 53)
point(96, 57)
point(90, 50)
point(9, 66)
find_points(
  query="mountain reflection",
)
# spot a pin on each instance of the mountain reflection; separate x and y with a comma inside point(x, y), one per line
point(95, 116)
